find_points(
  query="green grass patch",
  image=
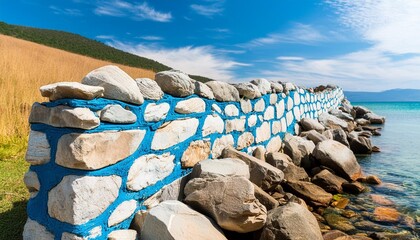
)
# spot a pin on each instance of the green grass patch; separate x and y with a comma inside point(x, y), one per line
point(13, 193)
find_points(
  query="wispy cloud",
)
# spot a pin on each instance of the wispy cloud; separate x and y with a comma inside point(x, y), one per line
point(138, 12)
point(65, 11)
point(105, 37)
point(151, 38)
point(290, 58)
point(213, 7)
point(299, 33)
point(202, 60)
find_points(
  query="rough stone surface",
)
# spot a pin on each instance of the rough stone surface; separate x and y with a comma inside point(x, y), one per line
point(123, 234)
point(374, 119)
point(269, 113)
point(196, 152)
point(117, 114)
point(311, 124)
point(279, 160)
point(230, 201)
point(34, 231)
point(70, 201)
point(263, 133)
point(32, 183)
point(174, 132)
point(148, 169)
point(259, 153)
point(235, 125)
point(76, 90)
point(264, 86)
point(259, 105)
point(71, 236)
point(220, 143)
point(192, 105)
point(246, 106)
point(261, 173)
point(38, 151)
point(176, 83)
point(231, 110)
point(309, 192)
point(291, 221)
point(328, 181)
point(245, 140)
point(252, 120)
point(224, 92)
point(172, 191)
point(280, 109)
point(149, 88)
point(273, 98)
point(276, 87)
point(156, 112)
point(213, 124)
point(224, 167)
point(265, 199)
point(116, 83)
point(295, 173)
point(122, 212)
point(299, 149)
point(332, 121)
point(175, 220)
point(274, 144)
point(339, 158)
point(248, 90)
point(315, 136)
point(386, 214)
point(89, 151)
point(203, 90)
point(64, 116)
point(353, 187)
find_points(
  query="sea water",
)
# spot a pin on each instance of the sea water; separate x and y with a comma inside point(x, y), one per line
point(398, 163)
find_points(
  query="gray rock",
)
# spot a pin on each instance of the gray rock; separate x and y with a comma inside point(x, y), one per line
point(288, 86)
point(224, 92)
point(32, 183)
point(279, 160)
point(203, 90)
point(311, 124)
point(77, 90)
point(276, 87)
point(362, 122)
point(314, 136)
point(90, 151)
point(78, 199)
point(259, 153)
point(176, 221)
point(360, 144)
point(38, 151)
point(149, 88)
point(64, 116)
point(264, 86)
point(298, 149)
point(230, 201)
point(339, 158)
point(374, 119)
point(328, 181)
point(174, 132)
point(342, 115)
point(361, 111)
point(172, 191)
point(265, 199)
point(339, 135)
point(225, 167)
point(176, 83)
point(156, 112)
point(248, 90)
point(331, 121)
point(116, 83)
point(117, 114)
point(311, 193)
point(34, 231)
point(291, 221)
point(261, 173)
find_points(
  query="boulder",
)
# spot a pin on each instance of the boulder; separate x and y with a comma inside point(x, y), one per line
point(156, 112)
point(295, 173)
point(220, 144)
point(33, 231)
point(39, 150)
point(174, 132)
point(116, 83)
point(279, 160)
point(191, 105)
point(123, 234)
point(298, 149)
point(203, 90)
point(261, 173)
point(149, 88)
point(338, 157)
point(171, 191)
point(64, 116)
point(309, 192)
point(175, 220)
point(91, 151)
point(361, 111)
point(353, 187)
point(77, 90)
point(32, 183)
point(264, 86)
point(259, 152)
point(338, 135)
point(360, 144)
point(276, 87)
point(265, 199)
point(342, 115)
point(386, 214)
point(374, 119)
point(230, 201)
point(78, 199)
point(362, 122)
point(117, 114)
point(176, 83)
point(328, 181)
point(289, 222)
point(336, 221)
point(331, 121)
point(196, 152)
point(314, 136)
point(149, 169)
point(225, 167)
point(224, 92)
point(288, 86)
point(311, 124)
point(248, 90)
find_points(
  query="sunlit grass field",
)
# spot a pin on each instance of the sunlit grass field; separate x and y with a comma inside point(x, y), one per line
point(24, 67)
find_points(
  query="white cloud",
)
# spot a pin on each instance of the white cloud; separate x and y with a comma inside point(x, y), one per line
point(299, 33)
point(105, 37)
point(209, 10)
point(139, 12)
point(290, 58)
point(65, 11)
point(202, 60)
point(151, 38)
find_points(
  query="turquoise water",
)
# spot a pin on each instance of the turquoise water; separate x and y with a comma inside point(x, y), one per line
point(398, 163)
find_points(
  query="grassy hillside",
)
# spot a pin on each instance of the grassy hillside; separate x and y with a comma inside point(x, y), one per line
point(77, 44)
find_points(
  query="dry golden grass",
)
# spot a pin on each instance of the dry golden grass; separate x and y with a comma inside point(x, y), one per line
point(25, 66)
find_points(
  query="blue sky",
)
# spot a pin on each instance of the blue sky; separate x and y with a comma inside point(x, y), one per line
point(357, 44)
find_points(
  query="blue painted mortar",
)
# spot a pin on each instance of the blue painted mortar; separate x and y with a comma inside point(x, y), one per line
point(51, 174)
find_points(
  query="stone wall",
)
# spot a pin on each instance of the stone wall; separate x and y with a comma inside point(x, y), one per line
point(98, 152)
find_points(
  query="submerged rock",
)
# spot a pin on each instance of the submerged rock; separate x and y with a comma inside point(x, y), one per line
point(309, 192)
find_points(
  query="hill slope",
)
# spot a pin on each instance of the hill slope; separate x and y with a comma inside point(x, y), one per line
point(25, 66)
point(393, 95)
